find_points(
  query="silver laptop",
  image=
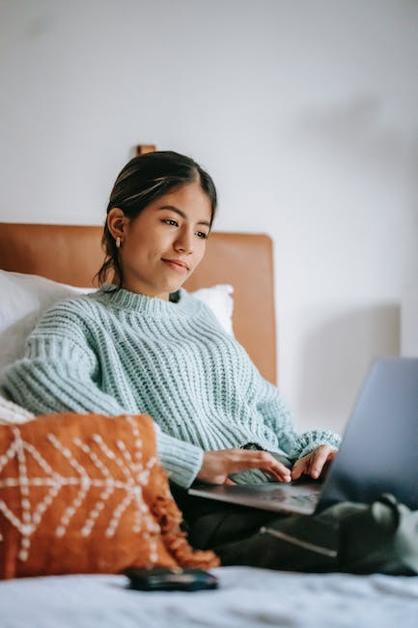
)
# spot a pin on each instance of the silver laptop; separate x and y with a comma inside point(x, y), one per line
point(378, 454)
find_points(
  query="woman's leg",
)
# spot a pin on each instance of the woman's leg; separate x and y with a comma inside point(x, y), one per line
point(259, 538)
point(286, 542)
point(209, 522)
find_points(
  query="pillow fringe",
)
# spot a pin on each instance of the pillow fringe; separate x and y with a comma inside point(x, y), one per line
point(175, 541)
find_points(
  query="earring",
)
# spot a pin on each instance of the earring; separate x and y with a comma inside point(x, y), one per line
point(118, 242)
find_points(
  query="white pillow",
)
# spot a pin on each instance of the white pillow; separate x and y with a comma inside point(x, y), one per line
point(25, 298)
point(220, 300)
point(12, 413)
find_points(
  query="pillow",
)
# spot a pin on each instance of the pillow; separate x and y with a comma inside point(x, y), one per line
point(12, 413)
point(220, 300)
point(86, 494)
point(29, 296)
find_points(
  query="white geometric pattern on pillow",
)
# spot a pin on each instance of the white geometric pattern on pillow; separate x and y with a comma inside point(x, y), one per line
point(133, 475)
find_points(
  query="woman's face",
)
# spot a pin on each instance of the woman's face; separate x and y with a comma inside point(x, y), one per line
point(174, 227)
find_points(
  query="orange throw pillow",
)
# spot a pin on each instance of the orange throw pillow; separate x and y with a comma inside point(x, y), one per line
point(86, 494)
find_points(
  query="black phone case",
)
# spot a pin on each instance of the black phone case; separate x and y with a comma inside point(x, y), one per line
point(164, 579)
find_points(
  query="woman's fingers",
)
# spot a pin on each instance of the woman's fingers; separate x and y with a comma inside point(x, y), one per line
point(322, 457)
point(299, 467)
point(313, 463)
point(331, 456)
point(266, 462)
point(218, 465)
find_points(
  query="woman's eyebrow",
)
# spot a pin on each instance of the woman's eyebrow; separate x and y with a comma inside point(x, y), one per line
point(182, 214)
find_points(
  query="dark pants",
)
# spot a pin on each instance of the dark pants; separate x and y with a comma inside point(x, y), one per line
point(235, 534)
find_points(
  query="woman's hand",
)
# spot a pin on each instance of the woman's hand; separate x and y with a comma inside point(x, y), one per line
point(217, 465)
point(312, 464)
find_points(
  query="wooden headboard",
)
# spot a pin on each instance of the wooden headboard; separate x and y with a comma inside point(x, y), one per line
point(73, 255)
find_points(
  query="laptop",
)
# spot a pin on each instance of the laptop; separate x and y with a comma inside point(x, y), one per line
point(378, 453)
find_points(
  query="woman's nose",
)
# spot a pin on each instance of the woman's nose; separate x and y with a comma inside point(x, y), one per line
point(184, 242)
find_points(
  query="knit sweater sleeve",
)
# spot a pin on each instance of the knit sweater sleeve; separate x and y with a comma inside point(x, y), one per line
point(278, 417)
point(58, 373)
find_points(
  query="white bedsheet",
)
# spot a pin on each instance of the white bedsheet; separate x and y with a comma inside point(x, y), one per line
point(247, 597)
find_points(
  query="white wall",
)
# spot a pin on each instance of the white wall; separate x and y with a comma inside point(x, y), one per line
point(305, 114)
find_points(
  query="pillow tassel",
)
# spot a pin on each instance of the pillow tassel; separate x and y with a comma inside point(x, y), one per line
point(169, 517)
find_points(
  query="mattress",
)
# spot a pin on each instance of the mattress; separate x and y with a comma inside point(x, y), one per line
point(247, 597)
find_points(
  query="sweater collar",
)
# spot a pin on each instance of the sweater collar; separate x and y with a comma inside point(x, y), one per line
point(142, 303)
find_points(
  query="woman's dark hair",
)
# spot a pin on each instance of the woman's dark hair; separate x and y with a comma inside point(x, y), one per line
point(144, 179)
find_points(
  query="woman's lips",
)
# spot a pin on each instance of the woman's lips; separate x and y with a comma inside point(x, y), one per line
point(177, 267)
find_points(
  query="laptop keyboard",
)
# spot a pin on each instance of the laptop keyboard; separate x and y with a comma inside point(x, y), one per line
point(308, 498)
point(305, 499)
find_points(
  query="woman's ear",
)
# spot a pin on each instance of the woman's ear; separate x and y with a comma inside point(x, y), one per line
point(117, 223)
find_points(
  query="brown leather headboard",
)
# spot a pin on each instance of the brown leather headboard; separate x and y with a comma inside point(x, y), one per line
point(73, 255)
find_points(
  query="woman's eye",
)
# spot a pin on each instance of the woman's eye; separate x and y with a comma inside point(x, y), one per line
point(170, 221)
point(173, 223)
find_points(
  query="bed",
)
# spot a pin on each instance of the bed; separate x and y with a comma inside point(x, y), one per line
point(247, 596)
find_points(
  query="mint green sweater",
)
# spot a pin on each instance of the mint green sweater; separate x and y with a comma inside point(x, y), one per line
point(113, 352)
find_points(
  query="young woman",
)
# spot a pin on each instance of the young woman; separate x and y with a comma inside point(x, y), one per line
point(143, 344)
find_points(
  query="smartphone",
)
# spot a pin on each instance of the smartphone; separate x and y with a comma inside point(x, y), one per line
point(170, 579)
